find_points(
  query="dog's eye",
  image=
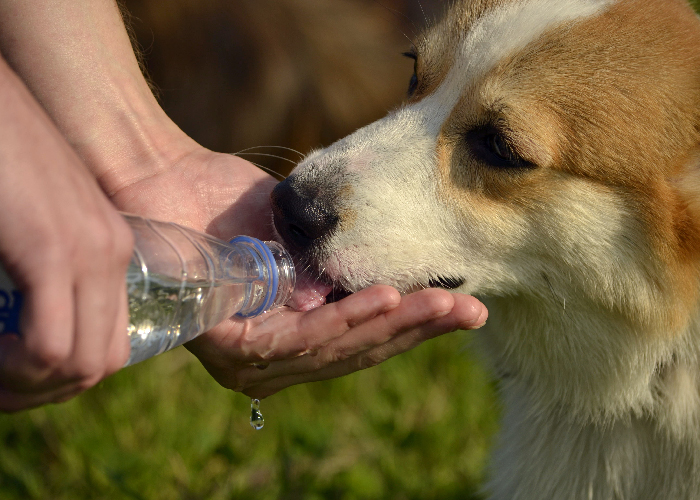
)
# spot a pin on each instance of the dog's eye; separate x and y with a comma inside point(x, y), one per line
point(489, 145)
point(413, 83)
point(498, 146)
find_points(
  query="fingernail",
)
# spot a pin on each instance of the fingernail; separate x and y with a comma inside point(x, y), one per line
point(476, 323)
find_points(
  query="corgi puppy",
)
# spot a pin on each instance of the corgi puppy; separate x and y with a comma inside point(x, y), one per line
point(547, 160)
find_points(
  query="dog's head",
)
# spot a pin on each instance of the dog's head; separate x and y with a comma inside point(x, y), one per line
point(545, 144)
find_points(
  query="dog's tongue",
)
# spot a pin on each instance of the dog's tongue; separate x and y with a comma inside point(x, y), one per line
point(308, 294)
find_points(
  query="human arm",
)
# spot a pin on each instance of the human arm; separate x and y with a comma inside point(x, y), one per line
point(76, 58)
point(67, 249)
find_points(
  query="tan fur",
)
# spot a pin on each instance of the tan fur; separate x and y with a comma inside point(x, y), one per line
point(587, 252)
point(587, 126)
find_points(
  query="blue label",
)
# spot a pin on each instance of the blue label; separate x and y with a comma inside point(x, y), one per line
point(10, 307)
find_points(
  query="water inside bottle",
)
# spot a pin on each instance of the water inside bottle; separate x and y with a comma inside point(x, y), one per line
point(173, 312)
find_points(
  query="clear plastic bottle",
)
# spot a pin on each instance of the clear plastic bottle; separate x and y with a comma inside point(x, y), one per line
point(182, 283)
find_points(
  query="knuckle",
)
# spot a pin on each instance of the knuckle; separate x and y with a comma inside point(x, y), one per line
point(441, 301)
point(368, 360)
point(103, 239)
point(328, 357)
point(87, 371)
point(55, 254)
point(341, 355)
point(85, 382)
point(48, 355)
point(112, 239)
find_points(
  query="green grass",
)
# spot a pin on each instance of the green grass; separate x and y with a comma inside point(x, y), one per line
point(416, 427)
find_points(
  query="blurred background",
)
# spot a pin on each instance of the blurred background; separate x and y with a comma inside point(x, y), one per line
point(294, 73)
point(236, 75)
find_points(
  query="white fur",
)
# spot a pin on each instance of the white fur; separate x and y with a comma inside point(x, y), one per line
point(493, 38)
point(601, 402)
point(397, 155)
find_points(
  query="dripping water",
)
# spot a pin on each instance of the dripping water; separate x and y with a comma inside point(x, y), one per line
point(256, 419)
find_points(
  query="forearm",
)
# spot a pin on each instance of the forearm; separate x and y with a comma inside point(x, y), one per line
point(77, 59)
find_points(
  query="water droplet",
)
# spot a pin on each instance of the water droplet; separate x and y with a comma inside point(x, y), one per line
point(256, 419)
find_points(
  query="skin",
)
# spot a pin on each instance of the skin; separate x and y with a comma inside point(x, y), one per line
point(107, 145)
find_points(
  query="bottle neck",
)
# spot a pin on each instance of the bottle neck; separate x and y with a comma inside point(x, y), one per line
point(285, 272)
point(276, 276)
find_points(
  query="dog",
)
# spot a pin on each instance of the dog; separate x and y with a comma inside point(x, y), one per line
point(547, 159)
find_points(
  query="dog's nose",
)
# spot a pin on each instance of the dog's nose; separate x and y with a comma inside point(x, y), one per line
point(301, 216)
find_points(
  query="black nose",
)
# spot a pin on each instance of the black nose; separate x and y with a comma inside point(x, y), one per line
point(302, 214)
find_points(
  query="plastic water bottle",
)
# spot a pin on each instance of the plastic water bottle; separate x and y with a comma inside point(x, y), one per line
point(182, 283)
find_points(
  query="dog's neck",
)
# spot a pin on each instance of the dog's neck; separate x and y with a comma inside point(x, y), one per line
point(625, 459)
point(583, 388)
point(591, 362)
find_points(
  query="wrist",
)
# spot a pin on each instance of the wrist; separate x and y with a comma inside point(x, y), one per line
point(76, 58)
point(128, 138)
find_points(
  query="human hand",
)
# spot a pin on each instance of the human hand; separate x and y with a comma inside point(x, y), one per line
point(264, 355)
point(67, 249)
point(228, 196)
point(170, 177)
point(92, 87)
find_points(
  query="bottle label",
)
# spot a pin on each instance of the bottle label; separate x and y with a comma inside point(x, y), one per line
point(10, 304)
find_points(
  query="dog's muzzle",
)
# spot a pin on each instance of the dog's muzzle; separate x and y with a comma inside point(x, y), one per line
point(303, 215)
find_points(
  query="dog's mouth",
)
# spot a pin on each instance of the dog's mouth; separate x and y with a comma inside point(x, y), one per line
point(446, 282)
point(316, 286)
point(314, 290)
point(311, 293)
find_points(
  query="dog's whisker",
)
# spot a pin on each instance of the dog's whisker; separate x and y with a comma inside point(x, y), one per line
point(274, 147)
point(397, 13)
point(427, 23)
point(266, 169)
point(268, 155)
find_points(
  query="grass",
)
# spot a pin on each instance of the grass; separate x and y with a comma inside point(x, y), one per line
point(416, 427)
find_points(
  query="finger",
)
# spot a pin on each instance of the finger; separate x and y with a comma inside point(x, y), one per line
point(468, 313)
point(120, 346)
point(46, 341)
point(100, 293)
point(28, 389)
point(288, 334)
point(283, 334)
point(415, 309)
point(11, 401)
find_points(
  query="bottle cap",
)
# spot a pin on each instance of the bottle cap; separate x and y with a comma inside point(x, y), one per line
point(272, 275)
